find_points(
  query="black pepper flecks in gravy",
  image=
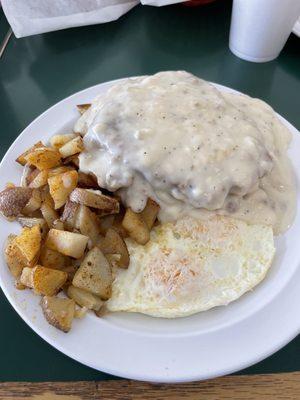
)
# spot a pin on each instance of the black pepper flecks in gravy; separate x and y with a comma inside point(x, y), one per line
point(193, 149)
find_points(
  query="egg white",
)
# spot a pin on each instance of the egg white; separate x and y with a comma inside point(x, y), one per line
point(192, 265)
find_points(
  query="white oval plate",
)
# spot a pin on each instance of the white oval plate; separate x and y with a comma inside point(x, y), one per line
point(206, 345)
point(296, 29)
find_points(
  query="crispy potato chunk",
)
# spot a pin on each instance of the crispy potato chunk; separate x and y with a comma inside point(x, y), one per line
point(80, 312)
point(46, 196)
point(105, 223)
point(28, 175)
point(58, 224)
point(19, 285)
point(87, 181)
point(88, 224)
point(30, 222)
point(13, 200)
point(49, 214)
point(136, 226)
point(33, 204)
point(67, 243)
point(61, 186)
point(75, 146)
point(117, 225)
point(113, 243)
point(53, 259)
point(29, 242)
point(72, 160)
point(48, 281)
point(13, 257)
point(26, 277)
point(22, 158)
point(150, 212)
point(69, 215)
point(82, 108)
point(94, 274)
point(71, 271)
point(57, 141)
point(59, 170)
point(59, 312)
point(95, 199)
point(44, 158)
point(43, 280)
point(39, 180)
point(84, 298)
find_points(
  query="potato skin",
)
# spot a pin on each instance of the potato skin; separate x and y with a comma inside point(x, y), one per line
point(67, 243)
point(95, 199)
point(59, 312)
point(22, 158)
point(13, 200)
point(13, 257)
point(136, 226)
point(94, 274)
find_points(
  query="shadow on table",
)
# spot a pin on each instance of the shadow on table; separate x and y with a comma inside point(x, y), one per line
point(290, 57)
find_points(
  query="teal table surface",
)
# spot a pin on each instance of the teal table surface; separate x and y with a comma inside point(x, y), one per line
point(38, 71)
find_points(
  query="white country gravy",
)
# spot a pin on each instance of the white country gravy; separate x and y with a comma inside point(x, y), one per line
point(195, 150)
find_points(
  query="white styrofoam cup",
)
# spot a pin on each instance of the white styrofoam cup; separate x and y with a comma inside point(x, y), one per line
point(260, 28)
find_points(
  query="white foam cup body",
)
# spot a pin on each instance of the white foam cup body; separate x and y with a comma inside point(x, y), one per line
point(260, 28)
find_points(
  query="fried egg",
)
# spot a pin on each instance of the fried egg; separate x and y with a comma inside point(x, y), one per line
point(192, 265)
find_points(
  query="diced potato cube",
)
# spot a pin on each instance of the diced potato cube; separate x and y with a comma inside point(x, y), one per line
point(30, 222)
point(48, 281)
point(117, 225)
point(94, 274)
point(29, 242)
point(105, 223)
point(28, 175)
point(87, 181)
point(43, 280)
point(9, 185)
point(22, 158)
point(58, 224)
point(57, 141)
point(71, 271)
point(136, 226)
point(88, 224)
point(33, 204)
point(73, 147)
point(26, 278)
point(84, 298)
point(61, 186)
point(49, 214)
point(68, 243)
point(113, 244)
point(19, 285)
point(44, 158)
point(53, 259)
point(59, 312)
point(69, 215)
point(80, 312)
point(82, 108)
point(59, 170)
point(46, 196)
point(39, 180)
point(95, 199)
point(150, 212)
point(13, 200)
point(72, 160)
point(13, 257)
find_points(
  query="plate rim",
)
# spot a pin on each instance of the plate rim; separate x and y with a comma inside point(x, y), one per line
point(138, 376)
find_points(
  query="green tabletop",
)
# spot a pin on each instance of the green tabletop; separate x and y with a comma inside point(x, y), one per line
point(38, 71)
